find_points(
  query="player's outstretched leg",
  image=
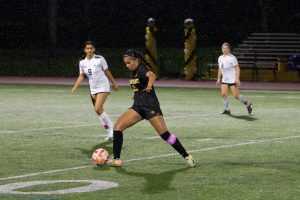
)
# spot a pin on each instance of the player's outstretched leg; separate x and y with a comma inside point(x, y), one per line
point(117, 147)
point(247, 103)
point(241, 98)
point(175, 143)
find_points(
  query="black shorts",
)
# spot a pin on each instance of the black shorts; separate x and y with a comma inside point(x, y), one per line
point(229, 84)
point(147, 112)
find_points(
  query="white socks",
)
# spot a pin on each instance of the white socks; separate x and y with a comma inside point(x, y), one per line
point(244, 100)
point(107, 123)
point(225, 102)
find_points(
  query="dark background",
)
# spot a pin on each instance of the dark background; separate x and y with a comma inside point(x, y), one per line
point(121, 23)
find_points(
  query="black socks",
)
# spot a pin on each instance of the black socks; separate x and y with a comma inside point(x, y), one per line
point(175, 143)
point(168, 137)
point(117, 144)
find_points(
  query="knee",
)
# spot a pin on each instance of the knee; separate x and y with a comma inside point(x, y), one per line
point(118, 128)
point(237, 97)
point(161, 131)
point(224, 96)
point(99, 111)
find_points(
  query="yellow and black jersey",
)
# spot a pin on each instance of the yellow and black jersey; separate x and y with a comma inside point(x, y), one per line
point(138, 82)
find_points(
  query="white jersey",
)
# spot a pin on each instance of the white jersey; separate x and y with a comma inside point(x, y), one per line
point(227, 66)
point(94, 70)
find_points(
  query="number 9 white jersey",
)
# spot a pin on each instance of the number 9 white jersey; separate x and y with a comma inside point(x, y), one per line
point(94, 70)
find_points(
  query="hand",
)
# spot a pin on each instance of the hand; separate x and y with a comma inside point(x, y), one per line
point(115, 87)
point(218, 82)
point(148, 88)
point(238, 83)
point(74, 90)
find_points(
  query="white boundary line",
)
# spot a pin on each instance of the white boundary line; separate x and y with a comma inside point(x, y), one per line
point(48, 128)
point(253, 141)
point(218, 147)
point(80, 125)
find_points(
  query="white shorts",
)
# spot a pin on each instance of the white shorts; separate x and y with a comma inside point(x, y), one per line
point(102, 86)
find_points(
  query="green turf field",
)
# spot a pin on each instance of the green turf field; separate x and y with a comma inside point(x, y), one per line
point(44, 128)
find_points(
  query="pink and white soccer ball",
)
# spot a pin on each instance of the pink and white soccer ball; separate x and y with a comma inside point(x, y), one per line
point(100, 157)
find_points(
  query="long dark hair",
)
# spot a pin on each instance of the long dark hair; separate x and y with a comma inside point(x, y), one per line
point(89, 42)
point(137, 55)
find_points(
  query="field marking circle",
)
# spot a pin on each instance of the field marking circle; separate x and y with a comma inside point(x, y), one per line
point(94, 186)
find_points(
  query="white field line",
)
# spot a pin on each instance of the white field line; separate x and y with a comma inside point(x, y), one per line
point(152, 138)
point(46, 128)
point(153, 157)
point(218, 147)
point(80, 125)
point(204, 139)
point(271, 91)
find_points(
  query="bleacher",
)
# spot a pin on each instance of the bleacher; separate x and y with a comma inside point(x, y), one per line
point(266, 52)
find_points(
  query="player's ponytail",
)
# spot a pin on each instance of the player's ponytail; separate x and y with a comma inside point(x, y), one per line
point(138, 55)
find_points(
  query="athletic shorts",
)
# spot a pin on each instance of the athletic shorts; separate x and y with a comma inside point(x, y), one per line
point(147, 112)
point(229, 84)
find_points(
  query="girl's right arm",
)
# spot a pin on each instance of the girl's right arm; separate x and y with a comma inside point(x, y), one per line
point(79, 80)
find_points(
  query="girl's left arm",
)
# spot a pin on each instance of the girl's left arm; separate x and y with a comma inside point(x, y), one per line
point(238, 72)
point(112, 80)
point(151, 78)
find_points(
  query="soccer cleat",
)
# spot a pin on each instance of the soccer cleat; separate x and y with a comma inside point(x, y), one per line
point(115, 163)
point(110, 135)
point(227, 112)
point(108, 138)
point(249, 108)
point(190, 160)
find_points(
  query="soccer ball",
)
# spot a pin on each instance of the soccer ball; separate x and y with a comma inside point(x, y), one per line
point(100, 157)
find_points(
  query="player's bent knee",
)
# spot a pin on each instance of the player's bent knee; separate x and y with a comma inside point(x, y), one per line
point(224, 96)
point(118, 127)
point(99, 111)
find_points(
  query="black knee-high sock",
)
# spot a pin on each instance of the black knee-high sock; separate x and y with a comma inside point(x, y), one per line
point(175, 143)
point(117, 144)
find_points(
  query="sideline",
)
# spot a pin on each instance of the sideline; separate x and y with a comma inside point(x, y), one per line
point(177, 83)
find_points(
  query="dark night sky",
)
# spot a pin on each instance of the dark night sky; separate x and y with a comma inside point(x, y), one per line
point(120, 23)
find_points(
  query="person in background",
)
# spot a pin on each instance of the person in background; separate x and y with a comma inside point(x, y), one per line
point(95, 68)
point(229, 71)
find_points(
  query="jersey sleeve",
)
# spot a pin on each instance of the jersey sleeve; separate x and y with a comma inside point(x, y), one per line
point(80, 68)
point(234, 61)
point(103, 63)
point(143, 71)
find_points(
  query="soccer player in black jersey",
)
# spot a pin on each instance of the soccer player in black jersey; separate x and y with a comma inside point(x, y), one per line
point(145, 106)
